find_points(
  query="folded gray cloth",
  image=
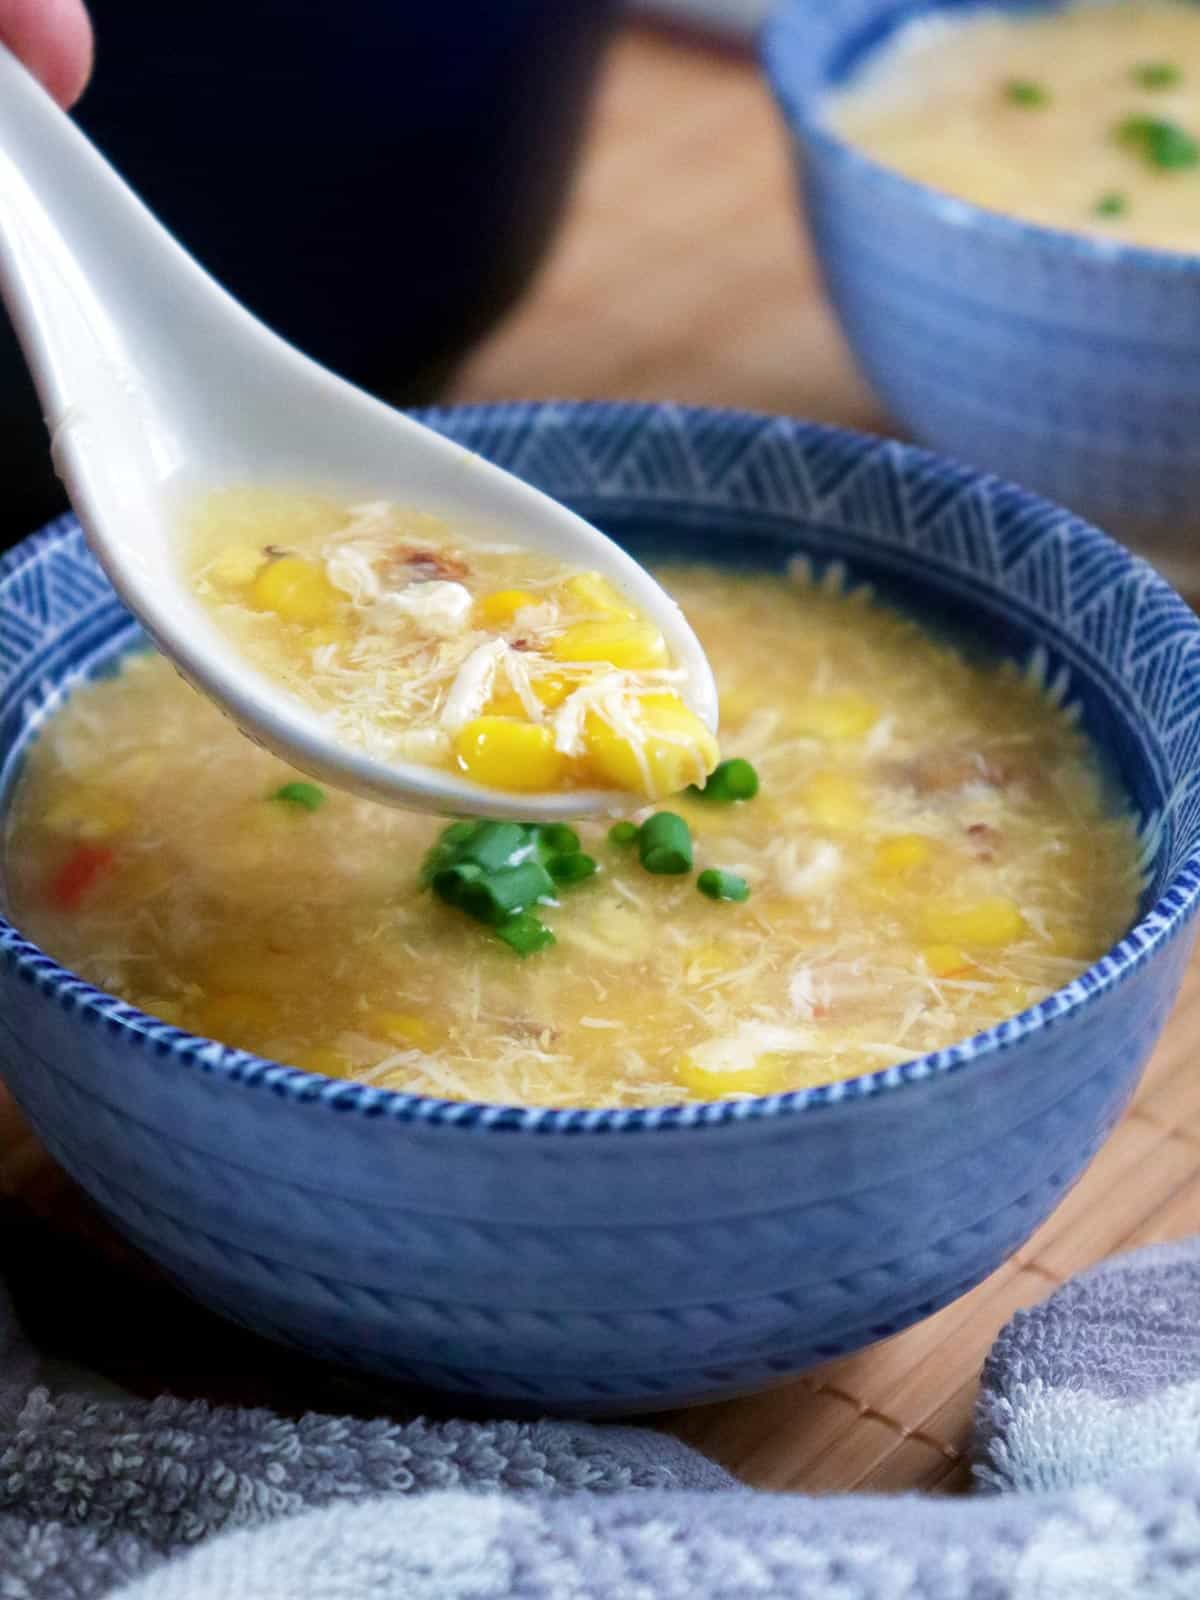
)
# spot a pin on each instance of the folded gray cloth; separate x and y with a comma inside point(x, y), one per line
point(1088, 1468)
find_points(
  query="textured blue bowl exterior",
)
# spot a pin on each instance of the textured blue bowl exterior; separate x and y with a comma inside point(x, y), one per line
point(1068, 364)
point(609, 1260)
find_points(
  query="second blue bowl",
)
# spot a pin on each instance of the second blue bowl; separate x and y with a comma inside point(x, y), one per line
point(1066, 363)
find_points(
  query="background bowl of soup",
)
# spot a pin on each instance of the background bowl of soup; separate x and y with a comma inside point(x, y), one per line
point(608, 1260)
point(1068, 361)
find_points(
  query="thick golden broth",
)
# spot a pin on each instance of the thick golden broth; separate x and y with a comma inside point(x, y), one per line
point(414, 642)
point(930, 850)
point(1085, 119)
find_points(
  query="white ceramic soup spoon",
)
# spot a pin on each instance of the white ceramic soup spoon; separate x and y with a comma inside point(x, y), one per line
point(155, 382)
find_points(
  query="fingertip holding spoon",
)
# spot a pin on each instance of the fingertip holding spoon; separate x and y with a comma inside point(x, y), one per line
point(155, 383)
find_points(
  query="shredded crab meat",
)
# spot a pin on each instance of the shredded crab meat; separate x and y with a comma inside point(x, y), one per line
point(473, 684)
point(441, 608)
point(804, 869)
point(736, 1050)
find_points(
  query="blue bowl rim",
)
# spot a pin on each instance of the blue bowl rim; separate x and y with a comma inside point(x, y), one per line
point(1151, 933)
point(802, 111)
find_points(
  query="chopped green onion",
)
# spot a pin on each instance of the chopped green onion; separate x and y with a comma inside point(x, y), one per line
point(729, 781)
point(622, 834)
point(573, 867)
point(719, 885)
point(494, 897)
point(1025, 92)
point(1162, 144)
point(308, 795)
point(451, 883)
point(525, 934)
point(560, 840)
point(499, 844)
point(1158, 75)
point(459, 832)
point(494, 871)
point(1112, 204)
point(664, 844)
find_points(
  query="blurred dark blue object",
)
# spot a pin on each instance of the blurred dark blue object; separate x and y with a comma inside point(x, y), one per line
point(376, 179)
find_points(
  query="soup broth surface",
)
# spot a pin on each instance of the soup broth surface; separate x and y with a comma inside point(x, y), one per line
point(931, 849)
point(1086, 118)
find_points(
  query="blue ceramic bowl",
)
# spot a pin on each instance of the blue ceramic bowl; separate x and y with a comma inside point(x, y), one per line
point(1065, 363)
point(607, 1260)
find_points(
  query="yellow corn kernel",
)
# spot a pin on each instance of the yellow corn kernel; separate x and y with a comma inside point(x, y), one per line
point(991, 923)
point(674, 748)
point(324, 1059)
point(296, 590)
point(551, 690)
point(834, 716)
point(630, 645)
point(945, 961)
point(236, 1019)
point(588, 591)
point(90, 814)
point(407, 1029)
point(763, 1074)
point(497, 610)
point(501, 753)
point(834, 800)
point(897, 857)
point(237, 566)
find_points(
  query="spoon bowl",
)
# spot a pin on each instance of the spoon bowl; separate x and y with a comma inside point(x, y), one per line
point(156, 384)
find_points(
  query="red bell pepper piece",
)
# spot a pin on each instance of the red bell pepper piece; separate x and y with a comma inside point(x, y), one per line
point(81, 871)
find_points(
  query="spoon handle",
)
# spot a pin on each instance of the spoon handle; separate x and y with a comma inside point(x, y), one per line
point(57, 248)
point(105, 302)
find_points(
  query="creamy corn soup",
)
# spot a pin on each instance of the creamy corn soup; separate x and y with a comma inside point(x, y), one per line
point(416, 644)
point(901, 849)
point(1086, 118)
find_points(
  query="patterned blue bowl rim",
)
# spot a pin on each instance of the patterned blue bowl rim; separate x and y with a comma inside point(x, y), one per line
point(785, 49)
point(1167, 918)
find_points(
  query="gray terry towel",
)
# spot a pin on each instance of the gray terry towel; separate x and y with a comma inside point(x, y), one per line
point(1088, 1467)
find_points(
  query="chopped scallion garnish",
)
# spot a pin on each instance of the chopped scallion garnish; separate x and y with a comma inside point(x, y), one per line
point(665, 844)
point(623, 834)
point(308, 795)
point(499, 844)
point(729, 781)
point(557, 838)
point(525, 934)
point(459, 832)
point(1162, 144)
point(572, 867)
point(1112, 204)
point(1158, 75)
point(1025, 92)
point(496, 896)
point(452, 882)
point(495, 871)
point(718, 885)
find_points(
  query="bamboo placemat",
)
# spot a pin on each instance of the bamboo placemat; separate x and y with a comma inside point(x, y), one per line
point(681, 275)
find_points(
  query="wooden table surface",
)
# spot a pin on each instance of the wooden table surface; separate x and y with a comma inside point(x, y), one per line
point(681, 274)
